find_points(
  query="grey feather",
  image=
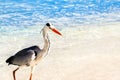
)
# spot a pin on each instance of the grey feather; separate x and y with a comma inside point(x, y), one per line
point(24, 57)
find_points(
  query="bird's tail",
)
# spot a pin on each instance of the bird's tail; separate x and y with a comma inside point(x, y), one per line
point(9, 60)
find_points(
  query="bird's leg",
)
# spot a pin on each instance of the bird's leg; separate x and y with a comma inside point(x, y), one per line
point(14, 73)
point(30, 76)
point(31, 73)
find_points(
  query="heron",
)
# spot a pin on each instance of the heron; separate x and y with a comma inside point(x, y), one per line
point(32, 55)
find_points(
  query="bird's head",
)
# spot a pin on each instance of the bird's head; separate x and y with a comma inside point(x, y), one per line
point(51, 27)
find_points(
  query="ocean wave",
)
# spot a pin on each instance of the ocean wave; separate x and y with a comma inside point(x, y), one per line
point(24, 13)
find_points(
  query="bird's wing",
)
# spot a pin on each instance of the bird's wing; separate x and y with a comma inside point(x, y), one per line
point(33, 55)
point(25, 58)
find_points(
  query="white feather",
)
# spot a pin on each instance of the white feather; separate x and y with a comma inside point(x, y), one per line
point(33, 55)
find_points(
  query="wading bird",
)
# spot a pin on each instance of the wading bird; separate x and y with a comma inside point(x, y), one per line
point(32, 55)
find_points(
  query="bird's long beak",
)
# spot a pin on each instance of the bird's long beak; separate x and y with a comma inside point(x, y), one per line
point(56, 31)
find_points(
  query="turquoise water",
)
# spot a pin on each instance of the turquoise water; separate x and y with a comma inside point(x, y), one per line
point(23, 17)
point(24, 13)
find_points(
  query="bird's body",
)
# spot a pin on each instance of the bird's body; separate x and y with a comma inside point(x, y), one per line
point(25, 56)
point(32, 55)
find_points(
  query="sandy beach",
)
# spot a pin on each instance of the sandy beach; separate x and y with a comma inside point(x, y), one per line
point(87, 53)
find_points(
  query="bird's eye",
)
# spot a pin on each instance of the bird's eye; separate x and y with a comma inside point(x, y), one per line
point(47, 24)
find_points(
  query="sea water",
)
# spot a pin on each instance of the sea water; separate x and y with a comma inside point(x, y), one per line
point(78, 20)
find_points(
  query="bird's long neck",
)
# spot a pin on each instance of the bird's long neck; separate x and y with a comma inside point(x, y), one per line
point(45, 47)
point(46, 42)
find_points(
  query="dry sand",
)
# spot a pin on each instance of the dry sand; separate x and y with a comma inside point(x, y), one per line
point(81, 54)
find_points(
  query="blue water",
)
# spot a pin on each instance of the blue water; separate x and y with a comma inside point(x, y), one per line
point(26, 13)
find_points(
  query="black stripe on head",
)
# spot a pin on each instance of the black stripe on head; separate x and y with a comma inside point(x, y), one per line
point(47, 24)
